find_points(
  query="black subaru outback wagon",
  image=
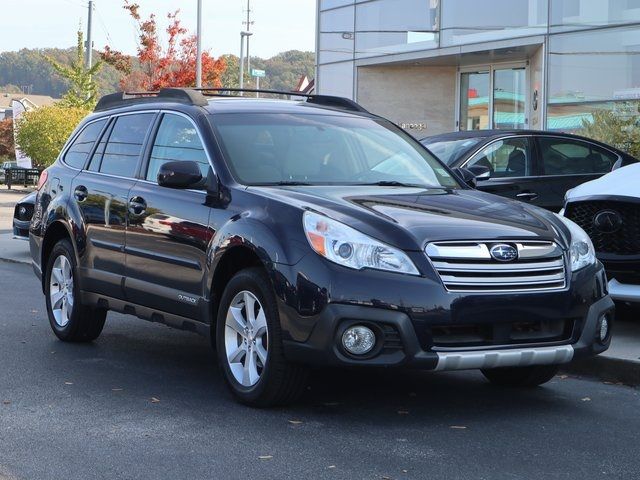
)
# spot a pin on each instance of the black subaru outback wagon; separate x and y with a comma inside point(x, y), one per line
point(306, 232)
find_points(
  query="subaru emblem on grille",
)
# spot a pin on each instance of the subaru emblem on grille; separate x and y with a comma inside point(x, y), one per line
point(503, 252)
point(607, 221)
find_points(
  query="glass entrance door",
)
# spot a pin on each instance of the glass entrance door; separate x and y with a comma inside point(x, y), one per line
point(474, 100)
point(493, 97)
point(509, 100)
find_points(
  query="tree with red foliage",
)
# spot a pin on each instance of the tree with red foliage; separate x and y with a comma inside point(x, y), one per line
point(158, 67)
point(6, 138)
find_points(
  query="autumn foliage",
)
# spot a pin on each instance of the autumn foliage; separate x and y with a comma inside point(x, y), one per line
point(156, 66)
point(6, 138)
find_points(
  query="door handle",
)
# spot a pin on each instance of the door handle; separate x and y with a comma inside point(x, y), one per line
point(527, 195)
point(80, 193)
point(137, 206)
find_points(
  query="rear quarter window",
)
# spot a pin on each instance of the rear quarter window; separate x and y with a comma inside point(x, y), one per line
point(79, 151)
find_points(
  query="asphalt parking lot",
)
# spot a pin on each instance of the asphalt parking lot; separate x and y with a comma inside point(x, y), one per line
point(145, 401)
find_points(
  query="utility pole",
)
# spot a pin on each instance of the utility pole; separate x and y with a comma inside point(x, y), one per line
point(88, 58)
point(248, 23)
point(199, 47)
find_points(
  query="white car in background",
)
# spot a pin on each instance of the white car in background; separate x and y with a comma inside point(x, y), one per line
point(608, 209)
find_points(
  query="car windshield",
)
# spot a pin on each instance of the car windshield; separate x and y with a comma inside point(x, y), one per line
point(317, 149)
point(450, 150)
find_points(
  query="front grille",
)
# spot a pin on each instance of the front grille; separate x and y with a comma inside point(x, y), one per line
point(623, 241)
point(470, 267)
point(23, 212)
point(488, 334)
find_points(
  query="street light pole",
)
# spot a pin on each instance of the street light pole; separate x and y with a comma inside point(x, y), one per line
point(242, 35)
point(199, 47)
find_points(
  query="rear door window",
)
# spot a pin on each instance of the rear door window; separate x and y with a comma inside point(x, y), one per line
point(561, 156)
point(79, 151)
point(510, 157)
point(122, 150)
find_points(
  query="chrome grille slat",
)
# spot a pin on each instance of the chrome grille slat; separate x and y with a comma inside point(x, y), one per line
point(468, 266)
point(501, 267)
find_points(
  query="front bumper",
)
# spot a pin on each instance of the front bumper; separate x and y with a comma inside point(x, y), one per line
point(21, 229)
point(624, 292)
point(406, 313)
point(323, 348)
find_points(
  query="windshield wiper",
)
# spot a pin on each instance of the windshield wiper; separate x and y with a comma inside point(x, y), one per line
point(392, 183)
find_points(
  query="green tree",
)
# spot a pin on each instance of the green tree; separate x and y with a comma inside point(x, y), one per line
point(619, 128)
point(42, 133)
point(83, 90)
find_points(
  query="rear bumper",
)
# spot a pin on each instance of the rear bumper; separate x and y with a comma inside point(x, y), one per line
point(323, 346)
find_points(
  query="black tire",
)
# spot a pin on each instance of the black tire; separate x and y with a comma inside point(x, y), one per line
point(280, 381)
point(521, 376)
point(85, 324)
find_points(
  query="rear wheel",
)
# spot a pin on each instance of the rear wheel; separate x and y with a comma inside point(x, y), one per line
point(521, 376)
point(69, 319)
point(249, 344)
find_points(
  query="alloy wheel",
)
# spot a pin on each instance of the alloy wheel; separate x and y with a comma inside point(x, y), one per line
point(246, 338)
point(61, 291)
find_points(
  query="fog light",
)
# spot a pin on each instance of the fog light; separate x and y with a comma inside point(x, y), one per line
point(603, 331)
point(358, 340)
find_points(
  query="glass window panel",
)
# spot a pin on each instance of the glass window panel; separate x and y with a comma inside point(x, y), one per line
point(336, 35)
point(573, 157)
point(79, 151)
point(125, 144)
point(505, 158)
point(326, 4)
point(576, 14)
point(474, 101)
point(509, 98)
point(393, 26)
point(177, 140)
point(472, 21)
point(594, 84)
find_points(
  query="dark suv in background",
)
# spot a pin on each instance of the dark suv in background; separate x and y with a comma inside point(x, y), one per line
point(301, 233)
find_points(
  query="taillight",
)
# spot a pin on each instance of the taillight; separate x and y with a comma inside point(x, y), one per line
point(42, 180)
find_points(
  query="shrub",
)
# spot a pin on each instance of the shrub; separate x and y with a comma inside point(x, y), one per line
point(43, 132)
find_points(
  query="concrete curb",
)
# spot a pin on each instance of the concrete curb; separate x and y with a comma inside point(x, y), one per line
point(606, 369)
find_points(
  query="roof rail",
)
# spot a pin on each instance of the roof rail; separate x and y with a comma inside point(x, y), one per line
point(179, 95)
point(197, 96)
point(326, 100)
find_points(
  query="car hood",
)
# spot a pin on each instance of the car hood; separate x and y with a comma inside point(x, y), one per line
point(409, 218)
point(622, 182)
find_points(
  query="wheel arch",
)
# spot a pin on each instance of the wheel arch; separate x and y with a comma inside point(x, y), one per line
point(56, 231)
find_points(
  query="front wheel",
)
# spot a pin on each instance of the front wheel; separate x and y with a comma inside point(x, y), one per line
point(70, 320)
point(249, 344)
point(521, 376)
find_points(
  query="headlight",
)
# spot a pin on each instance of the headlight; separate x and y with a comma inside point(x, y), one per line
point(581, 251)
point(348, 247)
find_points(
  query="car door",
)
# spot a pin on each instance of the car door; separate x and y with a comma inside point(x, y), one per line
point(566, 163)
point(512, 168)
point(168, 231)
point(100, 193)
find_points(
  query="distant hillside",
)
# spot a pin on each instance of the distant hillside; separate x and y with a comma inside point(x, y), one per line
point(28, 68)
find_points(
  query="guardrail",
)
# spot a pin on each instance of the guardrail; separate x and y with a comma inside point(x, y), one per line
point(21, 176)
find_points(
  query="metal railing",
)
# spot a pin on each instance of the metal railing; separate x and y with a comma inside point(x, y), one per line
point(21, 176)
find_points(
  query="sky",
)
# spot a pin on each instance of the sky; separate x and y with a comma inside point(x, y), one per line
point(280, 25)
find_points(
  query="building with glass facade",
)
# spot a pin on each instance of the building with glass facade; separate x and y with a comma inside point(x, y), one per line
point(435, 66)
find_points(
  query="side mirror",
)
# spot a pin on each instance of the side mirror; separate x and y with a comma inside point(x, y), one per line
point(467, 176)
point(180, 175)
point(481, 172)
